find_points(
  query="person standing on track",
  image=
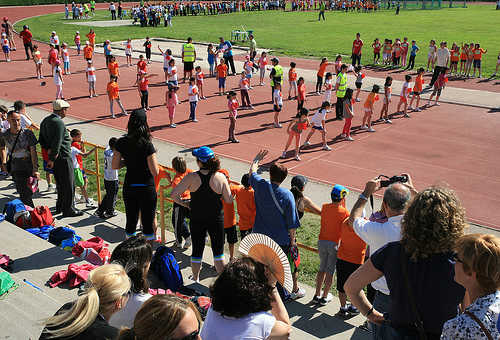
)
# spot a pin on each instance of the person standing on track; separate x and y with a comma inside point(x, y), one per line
point(227, 52)
point(357, 45)
point(8, 29)
point(27, 36)
point(276, 75)
point(340, 89)
point(188, 58)
point(207, 186)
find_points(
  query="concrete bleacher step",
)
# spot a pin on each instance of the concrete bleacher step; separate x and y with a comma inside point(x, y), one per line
point(36, 260)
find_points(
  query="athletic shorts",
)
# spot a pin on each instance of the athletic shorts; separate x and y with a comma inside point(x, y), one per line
point(188, 65)
point(403, 99)
point(477, 63)
point(358, 85)
point(173, 82)
point(320, 128)
point(222, 82)
point(231, 234)
point(454, 63)
point(327, 256)
point(344, 270)
point(248, 75)
point(46, 168)
point(5, 49)
point(244, 233)
point(165, 69)
point(277, 108)
point(416, 93)
point(437, 91)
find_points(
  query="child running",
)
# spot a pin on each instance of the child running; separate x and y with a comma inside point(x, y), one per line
point(171, 101)
point(221, 76)
point(319, 124)
point(91, 78)
point(403, 97)
point(200, 80)
point(277, 104)
point(37, 58)
point(299, 124)
point(368, 108)
point(232, 105)
point(438, 87)
point(292, 81)
point(114, 96)
point(348, 113)
point(417, 90)
point(262, 67)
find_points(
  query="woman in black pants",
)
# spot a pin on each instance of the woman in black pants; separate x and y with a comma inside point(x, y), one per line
point(136, 152)
point(207, 187)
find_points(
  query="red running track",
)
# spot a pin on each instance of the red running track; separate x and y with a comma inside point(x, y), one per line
point(450, 144)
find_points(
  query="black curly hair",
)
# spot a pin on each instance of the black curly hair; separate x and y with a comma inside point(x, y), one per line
point(241, 289)
point(134, 254)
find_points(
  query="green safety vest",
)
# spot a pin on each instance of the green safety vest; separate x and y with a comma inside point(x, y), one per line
point(342, 85)
point(86, 7)
point(278, 75)
point(188, 52)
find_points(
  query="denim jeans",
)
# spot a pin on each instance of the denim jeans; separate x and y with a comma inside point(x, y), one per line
point(192, 107)
point(382, 304)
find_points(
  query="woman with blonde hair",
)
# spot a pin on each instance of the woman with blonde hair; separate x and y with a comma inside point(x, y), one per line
point(477, 269)
point(419, 270)
point(106, 292)
point(164, 317)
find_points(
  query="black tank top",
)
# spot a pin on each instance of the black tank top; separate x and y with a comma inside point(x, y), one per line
point(205, 203)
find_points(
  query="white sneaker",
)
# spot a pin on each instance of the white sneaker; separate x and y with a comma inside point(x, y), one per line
point(187, 243)
point(327, 148)
point(349, 139)
point(388, 121)
point(80, 199)
point(306, 144)
point(91, 203)
point(52, 187)
point(283, 155)
point(418, 109)
point(371, 130)
point(437, 104)
point(364, 127)
point(300, 293)
point(343, 135)
point(410, 108)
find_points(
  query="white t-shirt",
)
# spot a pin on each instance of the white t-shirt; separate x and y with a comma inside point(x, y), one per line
point(443, 56)
point(193, 93)
point(319, 117)
point(109, 173)
point(74, 153)
point(277, 97)
point(112, 7)
point(65, 55)
point(172, 71)
point(254, 326)
point(126, 316)
point(404, 90)
point(377, 235)
point(166, 59)
point(57, 79)
point(91, 73)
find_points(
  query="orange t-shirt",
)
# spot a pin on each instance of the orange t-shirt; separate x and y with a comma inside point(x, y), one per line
point(222, 70)
point(245, 204)
point(419, 82)
point(113, 90)
point(352, 249)
point(332, 218)
point(177, 179)
point(370, 100)
point(91, 37)
point(87, 52)
point(455, 55)
point(113, 68)
point(302, 92)
point(292, 75)
point(478, 53)
point(229, 213)
point(322, 69)
point(142, 65)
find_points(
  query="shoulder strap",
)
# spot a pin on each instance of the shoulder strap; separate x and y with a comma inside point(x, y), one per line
point(15, 143)
point(275, 200)
point(418, 323)
point(483, 327)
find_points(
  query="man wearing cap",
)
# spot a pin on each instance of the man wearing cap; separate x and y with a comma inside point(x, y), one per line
point(380, 230)
point(8, 29)
point(54, 138)
point(227, 52)
point(188, 58)
point(276, 74)
point(276, 214)
point(27, 36)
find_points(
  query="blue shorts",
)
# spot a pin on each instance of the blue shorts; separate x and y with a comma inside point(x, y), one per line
point(222, 82)
point(249, 75)
point(165, 69)
point(46, 168)
point(320, 128)
point(5, 49)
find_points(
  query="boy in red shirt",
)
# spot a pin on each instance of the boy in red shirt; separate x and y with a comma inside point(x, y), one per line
point(221, 75)
point(143, 86)
point(141, 66)
point(245, 205)
point(357, 45)
point(292, 80)
point(333, 216)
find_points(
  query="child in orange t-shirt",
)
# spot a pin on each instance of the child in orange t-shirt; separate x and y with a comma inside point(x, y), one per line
point(221, 75)
point(114, 96)
point(301, 95)
point(478, 54)
point(113, 67)
point(245, 205)
point(321, 72)
point(333, 216)
point(403, 97)
point(292, 80)
point(368, 108)
point(230, 219)
point(350, 256)
point(417, 89)
point(179, 212)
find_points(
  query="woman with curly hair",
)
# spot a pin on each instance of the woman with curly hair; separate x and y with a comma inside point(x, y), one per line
point(135, 256)
point(164, 317)
point(419, 270)
point(477, 268)
point(246, 305)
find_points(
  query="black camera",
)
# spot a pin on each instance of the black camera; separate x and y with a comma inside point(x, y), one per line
point(394, 179)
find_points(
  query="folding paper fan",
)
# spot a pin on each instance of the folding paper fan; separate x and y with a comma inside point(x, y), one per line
point(263, 249)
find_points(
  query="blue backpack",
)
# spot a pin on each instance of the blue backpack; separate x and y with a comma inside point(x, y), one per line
point(166, 268)
point(12, 210)
point(42, 232)
point(57, 235)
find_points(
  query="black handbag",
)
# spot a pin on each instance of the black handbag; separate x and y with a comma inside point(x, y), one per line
point(8, 165)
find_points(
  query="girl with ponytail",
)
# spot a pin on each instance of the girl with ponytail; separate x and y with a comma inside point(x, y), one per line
point(106, 292)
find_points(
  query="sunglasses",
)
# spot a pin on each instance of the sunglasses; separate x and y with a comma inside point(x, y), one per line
point(192, 336)
point(456, 258)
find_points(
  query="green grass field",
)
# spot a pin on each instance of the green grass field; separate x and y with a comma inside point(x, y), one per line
point(300, 34)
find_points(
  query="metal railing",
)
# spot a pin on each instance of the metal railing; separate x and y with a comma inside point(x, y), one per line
point(161, 191)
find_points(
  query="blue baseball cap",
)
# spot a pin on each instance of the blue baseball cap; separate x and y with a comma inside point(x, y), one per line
point(203, 154)
point(339, 192)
